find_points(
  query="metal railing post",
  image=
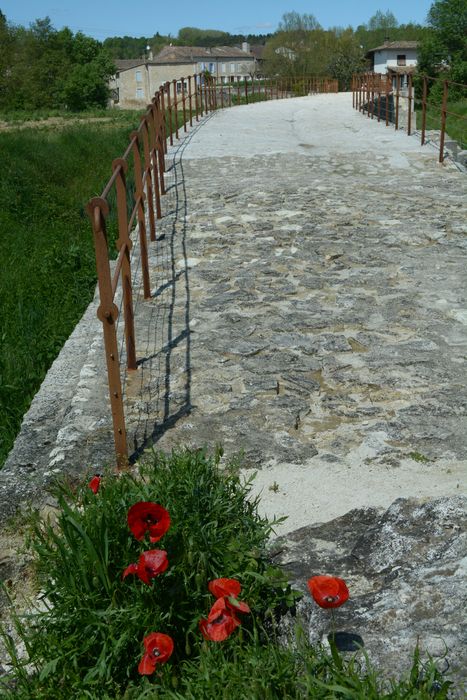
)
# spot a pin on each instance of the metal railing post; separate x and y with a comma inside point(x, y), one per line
point(397, 101)
point(409, 116)
point(169, 112)
point(190, 103)
point(139, 199)
point(147, 180)
point(444, 107)
point(107, 312)
point(195, 78)
point(424, 96)
point(175, 106)
point(184, 105)
point(120, 166)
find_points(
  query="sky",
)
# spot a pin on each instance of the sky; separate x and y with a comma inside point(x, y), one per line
point(103, 18)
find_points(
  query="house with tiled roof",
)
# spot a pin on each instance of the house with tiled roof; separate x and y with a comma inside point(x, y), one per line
point(395, 58)
point(137, 80)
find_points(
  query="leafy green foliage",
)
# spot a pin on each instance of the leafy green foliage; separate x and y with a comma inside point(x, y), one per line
point(87, 640)
point(455, 128)
point(48, 273)
point(45, 68)
point(445, 47)
point(448, 18)
point(90, 634)
point(301, 46)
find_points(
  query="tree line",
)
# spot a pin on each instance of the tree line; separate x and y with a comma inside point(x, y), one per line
point(42, 68)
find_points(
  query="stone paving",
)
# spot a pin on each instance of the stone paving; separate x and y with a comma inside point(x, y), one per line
point(308, 309)
point(311, 300)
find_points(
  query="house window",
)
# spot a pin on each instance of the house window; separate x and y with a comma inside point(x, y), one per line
point(232, 67)
point(115, 95)
point(212, 67)
point(139, 93)
point(223, 67)
point(401, 60)
point(202, 66)
point(139, 78)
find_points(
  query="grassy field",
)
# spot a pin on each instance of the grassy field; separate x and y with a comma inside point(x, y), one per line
point(48, 269)
point(456, 126)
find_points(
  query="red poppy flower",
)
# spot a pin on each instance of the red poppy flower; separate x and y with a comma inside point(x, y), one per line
point(146, 516)
point(328, 591)
point(228, 588)
point(159, 648)
point(220, 622)
point(236, 605)
point(150, 564)
point(95, 483)
point(222, 587)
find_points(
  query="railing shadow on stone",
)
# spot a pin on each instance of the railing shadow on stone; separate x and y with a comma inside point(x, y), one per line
point(142, 174)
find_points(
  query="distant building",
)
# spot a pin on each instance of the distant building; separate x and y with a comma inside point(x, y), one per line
point(395, 58)
point(137, 80)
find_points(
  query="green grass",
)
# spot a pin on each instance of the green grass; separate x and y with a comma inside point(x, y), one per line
point(87, 642)
point(418, 457)
point(17, 117)
point(456, 127)
point(48, 266)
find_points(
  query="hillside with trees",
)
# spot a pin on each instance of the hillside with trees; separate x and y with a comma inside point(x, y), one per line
point(301, 46)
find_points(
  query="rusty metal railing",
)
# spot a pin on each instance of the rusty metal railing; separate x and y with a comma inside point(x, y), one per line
point(130, 204)
point(378, 97)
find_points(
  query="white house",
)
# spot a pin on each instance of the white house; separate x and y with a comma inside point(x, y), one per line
point(395, 58)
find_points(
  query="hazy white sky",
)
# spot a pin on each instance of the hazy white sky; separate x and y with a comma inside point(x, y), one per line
point(119, 17)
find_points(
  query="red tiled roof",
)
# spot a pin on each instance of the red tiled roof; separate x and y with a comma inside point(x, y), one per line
point(395, 45)
point(191, 54)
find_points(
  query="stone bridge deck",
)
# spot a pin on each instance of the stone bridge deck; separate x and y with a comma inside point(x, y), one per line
point(309, 308)
point(315, 307)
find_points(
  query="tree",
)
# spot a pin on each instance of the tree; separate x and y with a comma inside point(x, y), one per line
point(294, 22)
point(445, 47)
point(7, 42)
point(382, 20)
point(448, 19)
point(346, 60)
point(192, 36)
point(41, 67)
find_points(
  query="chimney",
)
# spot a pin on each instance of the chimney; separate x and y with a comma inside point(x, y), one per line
point(245, 47)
